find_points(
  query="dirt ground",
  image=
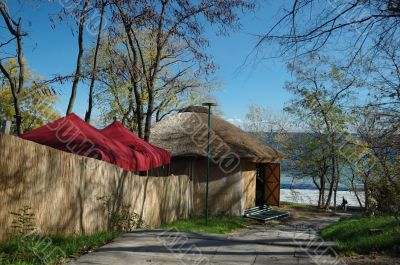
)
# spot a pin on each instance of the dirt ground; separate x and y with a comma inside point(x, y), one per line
point(310, 212)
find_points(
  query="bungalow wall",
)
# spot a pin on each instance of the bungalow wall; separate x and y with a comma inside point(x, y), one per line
point(230, 193)
point(249, 174)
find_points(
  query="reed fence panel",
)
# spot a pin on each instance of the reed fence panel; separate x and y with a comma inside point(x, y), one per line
point(67, 192)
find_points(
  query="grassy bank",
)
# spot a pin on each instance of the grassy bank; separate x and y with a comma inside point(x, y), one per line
point(302, 206)
point(50, 250)
point(216, 225)
point(353, 236)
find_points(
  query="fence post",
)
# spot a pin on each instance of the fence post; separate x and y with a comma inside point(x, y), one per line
point(5, 127)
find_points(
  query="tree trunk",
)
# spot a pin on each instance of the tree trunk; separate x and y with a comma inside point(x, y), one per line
point(333, 172)
point(318, 186)
point(328, 199)
point(18, 118)
point(94, 69)
point(319, 197)
point(354, 188)
point(322, 191)
point(336, 185)
point(319, 190)
point(153, 74)
point(139, 110)
point(79, 58)
point(149, 116)
point(366, 194)
point(139, 118)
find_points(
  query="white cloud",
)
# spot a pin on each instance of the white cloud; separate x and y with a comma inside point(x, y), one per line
point(236, 121)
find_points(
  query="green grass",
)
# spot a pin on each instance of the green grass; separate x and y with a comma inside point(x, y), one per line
point(296, 204)
point(352, 234)
point(52, 249)
point(216, 225)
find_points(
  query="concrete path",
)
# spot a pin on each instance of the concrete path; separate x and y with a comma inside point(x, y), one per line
point(258, 245)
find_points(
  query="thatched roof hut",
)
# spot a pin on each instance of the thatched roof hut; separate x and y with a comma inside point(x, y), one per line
point(185, 134)
point(244, 171)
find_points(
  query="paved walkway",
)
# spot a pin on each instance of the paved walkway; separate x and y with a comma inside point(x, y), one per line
point(293, 243)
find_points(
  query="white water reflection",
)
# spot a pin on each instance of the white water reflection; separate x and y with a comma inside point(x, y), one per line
point(308, 196)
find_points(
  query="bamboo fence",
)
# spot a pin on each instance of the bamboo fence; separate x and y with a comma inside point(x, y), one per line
point(67, 192)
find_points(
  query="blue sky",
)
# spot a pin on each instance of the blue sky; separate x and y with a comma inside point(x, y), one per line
point(254, 81)
point(53, 51)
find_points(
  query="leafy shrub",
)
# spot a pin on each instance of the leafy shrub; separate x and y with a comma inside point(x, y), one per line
point(120, 216)
point(23, 222)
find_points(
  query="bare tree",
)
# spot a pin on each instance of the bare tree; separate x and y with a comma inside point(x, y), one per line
point(16, 84)
point(169, 21)
point(81, 24)
point(306, 26)
point(94, 66)
point(119, 83)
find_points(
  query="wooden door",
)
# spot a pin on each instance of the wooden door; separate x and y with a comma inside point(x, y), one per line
point(272, 183)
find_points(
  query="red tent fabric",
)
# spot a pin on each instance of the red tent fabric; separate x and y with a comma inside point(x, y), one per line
point(73, 135)
point(157, 156)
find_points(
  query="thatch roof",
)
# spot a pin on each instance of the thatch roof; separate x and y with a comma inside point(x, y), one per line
point(185, 134)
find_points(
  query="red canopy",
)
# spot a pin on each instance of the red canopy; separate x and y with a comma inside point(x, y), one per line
point(73, 135)
point(157, 156)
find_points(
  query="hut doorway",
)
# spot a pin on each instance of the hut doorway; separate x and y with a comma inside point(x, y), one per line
point(260, 184)
point(268, 184)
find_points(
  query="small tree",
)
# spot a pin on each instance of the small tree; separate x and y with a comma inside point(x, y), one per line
point(14, 27)
point(319, 91)
point(36, 101)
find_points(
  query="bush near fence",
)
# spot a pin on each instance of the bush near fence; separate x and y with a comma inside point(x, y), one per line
point(67, 192)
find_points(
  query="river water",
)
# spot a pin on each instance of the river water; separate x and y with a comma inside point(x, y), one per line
point(310, 196)
point(304, 191)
